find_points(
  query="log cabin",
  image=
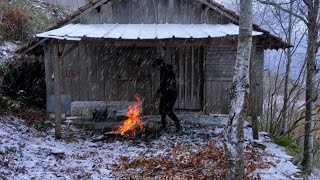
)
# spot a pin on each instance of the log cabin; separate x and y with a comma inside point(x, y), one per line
point(105, 50)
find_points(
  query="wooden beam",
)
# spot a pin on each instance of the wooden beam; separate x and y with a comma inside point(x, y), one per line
point(33, 46)
point(230, 41)
point(65, 52)
point(60, 50)
point(57, 91)
point(212, 6)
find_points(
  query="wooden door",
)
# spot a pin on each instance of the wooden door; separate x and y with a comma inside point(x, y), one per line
point(188, 64)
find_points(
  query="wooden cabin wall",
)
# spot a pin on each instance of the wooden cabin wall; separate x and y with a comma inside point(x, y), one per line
point(219, 71)
point(69, 4)
point(153, 11)
point(188, 65)
point(101, 73)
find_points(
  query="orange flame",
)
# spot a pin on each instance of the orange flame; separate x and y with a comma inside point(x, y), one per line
point(133, 119)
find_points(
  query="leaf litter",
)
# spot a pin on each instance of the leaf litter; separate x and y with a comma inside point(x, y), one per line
point(195, 153)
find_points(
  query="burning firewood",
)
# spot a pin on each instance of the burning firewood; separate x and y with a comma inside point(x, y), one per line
point(130, 126)
point(133, 120)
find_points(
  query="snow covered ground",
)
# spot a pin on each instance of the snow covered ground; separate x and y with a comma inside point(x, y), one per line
point(315, 175)
point(26, 153)
point(7, 50)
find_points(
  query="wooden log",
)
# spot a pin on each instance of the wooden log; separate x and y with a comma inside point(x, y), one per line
point(57, 95)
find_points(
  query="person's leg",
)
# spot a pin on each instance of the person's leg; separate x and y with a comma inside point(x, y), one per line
point(163, 121)
point(171, 101)
point(163, 114)
point(175, 120)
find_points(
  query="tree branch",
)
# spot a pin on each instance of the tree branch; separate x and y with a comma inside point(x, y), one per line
point(268, 2)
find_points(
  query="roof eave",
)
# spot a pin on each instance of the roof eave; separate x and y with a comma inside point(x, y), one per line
point(234, 17)
point(70, 19)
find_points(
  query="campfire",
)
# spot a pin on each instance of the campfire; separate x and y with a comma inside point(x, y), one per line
point(132, 123)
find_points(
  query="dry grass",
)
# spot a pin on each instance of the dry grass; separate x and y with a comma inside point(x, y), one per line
point(14, 21)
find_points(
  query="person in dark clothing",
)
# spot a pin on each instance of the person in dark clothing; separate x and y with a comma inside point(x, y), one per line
point(167, 92)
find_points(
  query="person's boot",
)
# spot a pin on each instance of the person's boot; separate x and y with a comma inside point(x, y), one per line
point(164, 125)
point(178, 127)
point(164, 128)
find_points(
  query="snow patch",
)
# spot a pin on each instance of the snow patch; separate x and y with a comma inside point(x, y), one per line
point(7, 50)
point(26, 153)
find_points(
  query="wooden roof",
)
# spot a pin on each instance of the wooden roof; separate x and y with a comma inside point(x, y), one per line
point(268, 40)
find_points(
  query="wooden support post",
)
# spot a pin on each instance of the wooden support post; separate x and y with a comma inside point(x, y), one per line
point(254, 92)
point(57, 91)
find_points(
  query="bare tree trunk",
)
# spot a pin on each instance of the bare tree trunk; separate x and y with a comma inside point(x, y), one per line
point(313, 9)
point(287, 75)
point(239, 95)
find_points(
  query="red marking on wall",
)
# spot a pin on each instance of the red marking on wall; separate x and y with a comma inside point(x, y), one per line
point(70, 74)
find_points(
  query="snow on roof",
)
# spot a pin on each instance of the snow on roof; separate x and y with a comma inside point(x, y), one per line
point(76, 32)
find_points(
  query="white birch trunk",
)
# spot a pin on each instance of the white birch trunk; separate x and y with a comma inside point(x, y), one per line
point(239, 95)
point(313, 11)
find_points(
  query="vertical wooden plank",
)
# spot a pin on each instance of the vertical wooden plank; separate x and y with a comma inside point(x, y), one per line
point(213, 91)
point(187, 84)
point(220, 99)
point(101, 72)
point(95, 72)
point(57, 92)
point(195, 11)
point(67, 72)
point(150, 13)
point(181, 77)
point(117, 10)
point(123, 69)
point(172, 11)
point(176, 70)
point(126, 82)
point(91, 53)
point(83, 72)
point(120, 74)
point(216, 86)
point(227, 96)
point(177, 62)
point(201, 84)
point(132, 72)
point(106, 14)
point(135, 16)
point(209, 100)
point(48, 69)
point(212, 100)
point(198, 78)
point(113, 74)
point(185, 12)
point(75, 81)
point(107, 66)
point(124, 6)
point(161, 13)
point(192, 79)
